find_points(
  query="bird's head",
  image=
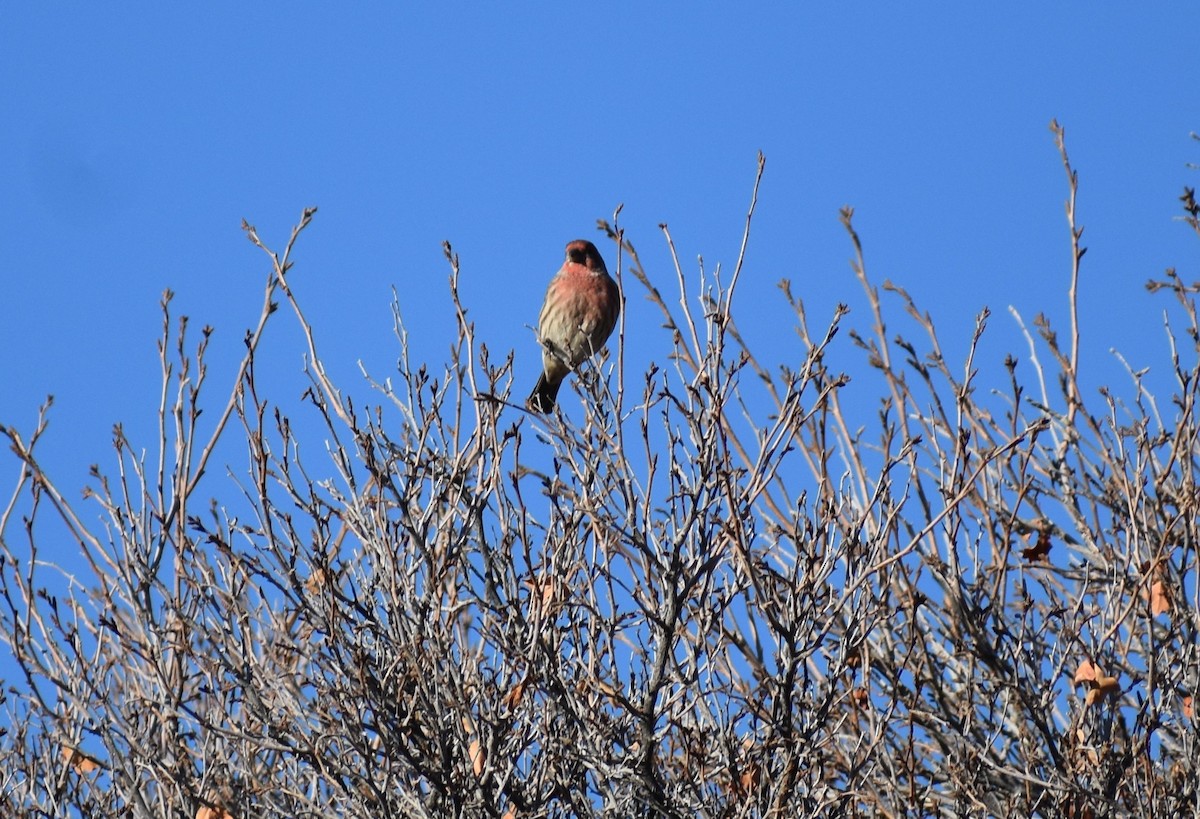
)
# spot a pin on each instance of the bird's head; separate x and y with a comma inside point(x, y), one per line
point(583, 252)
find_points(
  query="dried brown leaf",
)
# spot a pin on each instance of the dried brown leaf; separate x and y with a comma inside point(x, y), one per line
point(1103, 688)
point(1160, 599)
point(1086, 673)
point(478, 757)
point(513, 698)
point(81, 762)
point(1040, 550)
point(206, 812)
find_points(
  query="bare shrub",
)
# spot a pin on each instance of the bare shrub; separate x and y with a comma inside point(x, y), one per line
point(719, 593)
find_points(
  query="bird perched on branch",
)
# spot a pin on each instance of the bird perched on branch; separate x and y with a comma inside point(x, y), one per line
point(580, 312)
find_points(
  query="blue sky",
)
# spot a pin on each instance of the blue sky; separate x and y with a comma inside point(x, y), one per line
point(135, 139)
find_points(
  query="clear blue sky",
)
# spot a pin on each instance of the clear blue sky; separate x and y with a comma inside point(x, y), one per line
point(135, 137)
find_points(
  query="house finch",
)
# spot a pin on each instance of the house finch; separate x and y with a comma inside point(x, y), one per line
point(581, 308)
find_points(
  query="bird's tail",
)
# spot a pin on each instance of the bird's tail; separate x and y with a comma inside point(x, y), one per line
point(543, 396)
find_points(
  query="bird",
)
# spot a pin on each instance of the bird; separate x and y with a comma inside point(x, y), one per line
point(579, 314)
